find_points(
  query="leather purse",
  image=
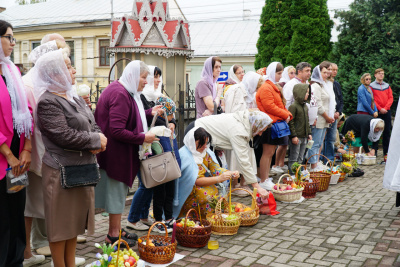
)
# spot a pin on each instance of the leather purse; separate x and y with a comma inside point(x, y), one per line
point(162, 168)
point(280, 129)
point(79, 175)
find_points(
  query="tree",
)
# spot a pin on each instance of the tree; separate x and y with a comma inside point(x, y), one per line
point(293, 31)
point(369, 39)
point(27, 2)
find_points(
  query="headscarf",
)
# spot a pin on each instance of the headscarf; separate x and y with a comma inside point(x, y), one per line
point(207, 75)
point(232, 75)
point(250, 82)
point(22, 119)
point(271, 70)
point(258, 121)
point(167, 104)
point(285, 75)
point(51, 74)
point(130, 80)
point(41, 50)
point(317, 77)
point(190, 143)
point(149, 91)
point(372, 135)
point(263, 73)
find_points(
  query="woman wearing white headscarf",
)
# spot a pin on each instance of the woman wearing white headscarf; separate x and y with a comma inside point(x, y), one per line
point(271, 101)
point(124, 121)
point(235, 76)
point(206, 93)
point(15, 151)
point(71, 137)
point(231, 131)
point(289, 73)
point(322, 109)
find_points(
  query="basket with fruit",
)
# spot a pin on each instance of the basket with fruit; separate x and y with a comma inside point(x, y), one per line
point(111, 257)
point(223, 221)
point(157, 249)
point(324, 177)
point(193, 233)
point(285, 192)
point(335, 175)
point(248, 216)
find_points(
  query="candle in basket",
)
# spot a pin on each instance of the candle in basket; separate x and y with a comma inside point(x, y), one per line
point(230, 195)
point(253, 203)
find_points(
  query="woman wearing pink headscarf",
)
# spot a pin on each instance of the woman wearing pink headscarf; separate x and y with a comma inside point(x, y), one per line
point(206, 93)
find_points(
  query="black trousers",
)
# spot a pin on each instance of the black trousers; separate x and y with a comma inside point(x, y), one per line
point(387, 118)
point(12, 227)
point(163, 197)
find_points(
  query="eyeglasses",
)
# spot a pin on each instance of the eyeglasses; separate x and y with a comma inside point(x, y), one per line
point(367, 79)
point(10, 38)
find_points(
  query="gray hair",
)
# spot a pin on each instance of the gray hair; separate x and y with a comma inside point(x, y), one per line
point(50, 37)
point(301, 66)
point(144, 67)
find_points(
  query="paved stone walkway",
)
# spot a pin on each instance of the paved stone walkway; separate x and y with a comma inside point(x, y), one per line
point(354, 223)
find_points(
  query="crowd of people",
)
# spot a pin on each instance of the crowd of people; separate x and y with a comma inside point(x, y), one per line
point(45, 127)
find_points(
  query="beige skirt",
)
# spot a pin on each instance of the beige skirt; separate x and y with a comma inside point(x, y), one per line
point(68, 212)
point(34, 206)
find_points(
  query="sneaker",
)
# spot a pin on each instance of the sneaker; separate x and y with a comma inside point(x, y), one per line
point(150, 221)
point(319, 168)
point(267, 184)
point(170, 224)
point(242, 193)
point(35, 259)
point(140, 226)
point(45, 251)
point(78, 262)
point(80, 239)
point(276, 170)
point(285, 168)
point(159, 228)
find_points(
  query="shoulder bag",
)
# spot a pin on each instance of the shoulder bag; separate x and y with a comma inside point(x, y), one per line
point(279, 129)
point(162, 168)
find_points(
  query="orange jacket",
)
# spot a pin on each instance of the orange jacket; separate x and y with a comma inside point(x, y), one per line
point(269, 100)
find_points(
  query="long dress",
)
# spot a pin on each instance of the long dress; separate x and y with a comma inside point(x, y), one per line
point(201, 194)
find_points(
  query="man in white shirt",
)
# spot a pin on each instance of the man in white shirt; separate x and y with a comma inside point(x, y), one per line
point(303, 74)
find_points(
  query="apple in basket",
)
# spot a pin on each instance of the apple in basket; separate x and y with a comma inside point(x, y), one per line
point(289, 187)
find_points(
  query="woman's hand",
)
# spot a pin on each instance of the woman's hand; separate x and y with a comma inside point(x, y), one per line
point(25, 161)
point(149, 138)
point(14, 164)
point(157, 110)
point(94, 152)
point(171, 126)
point(103, 141)
point(309, 137)
point(225, 176)
point(288, 119)
point(375, 114)
point(295, 141)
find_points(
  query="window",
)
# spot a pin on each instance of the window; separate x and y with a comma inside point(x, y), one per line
point(35, 44)
point(72, 56)
point(104, 57)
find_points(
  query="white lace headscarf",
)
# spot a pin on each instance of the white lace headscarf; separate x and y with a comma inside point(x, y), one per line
point(317, 77)
point(250, 82)
point(285, 75)
point(149, 91)
point(190, 143)
point(372, 135)
point(207, 75)
point(258, 121)
point(51, 74)
point(271, 70)
point(232, 75)
point(41, 50)
point(22, 118)
point(130, 80)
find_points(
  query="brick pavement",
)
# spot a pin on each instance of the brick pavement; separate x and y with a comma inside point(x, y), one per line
point(354, 223)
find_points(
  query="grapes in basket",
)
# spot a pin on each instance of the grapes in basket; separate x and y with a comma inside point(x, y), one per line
point(154, 243)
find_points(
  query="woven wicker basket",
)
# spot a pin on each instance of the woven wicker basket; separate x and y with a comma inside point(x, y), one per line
point(287, 195)
point(157, 255)
point(310, 188)
point(323, 177)
point(192, 237)
point(127, 247)
point(248, 218)
point(342, 177)
point(219, 225)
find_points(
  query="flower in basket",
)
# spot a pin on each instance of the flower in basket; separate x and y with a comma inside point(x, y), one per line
point(349, 136)
point(346, 167)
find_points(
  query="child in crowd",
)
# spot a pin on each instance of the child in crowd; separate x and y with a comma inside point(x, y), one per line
point(300, 131)
point(163, 195)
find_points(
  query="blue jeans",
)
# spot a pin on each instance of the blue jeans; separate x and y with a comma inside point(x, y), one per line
point(329, 143)
point(140, 203)
point(318, 137)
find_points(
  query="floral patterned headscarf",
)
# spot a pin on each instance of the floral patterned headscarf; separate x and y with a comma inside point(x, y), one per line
point(167, 104)
point(258, 121)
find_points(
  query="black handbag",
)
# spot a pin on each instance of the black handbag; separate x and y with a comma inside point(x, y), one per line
point(79, 175)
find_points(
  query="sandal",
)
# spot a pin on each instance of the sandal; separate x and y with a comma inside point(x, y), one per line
point(111, 240)
point(129, 235)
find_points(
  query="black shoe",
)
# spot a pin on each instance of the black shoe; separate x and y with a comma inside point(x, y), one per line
point(357, 173)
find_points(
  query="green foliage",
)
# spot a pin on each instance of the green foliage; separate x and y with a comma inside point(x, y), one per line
point(369, 39)
point(293, 31)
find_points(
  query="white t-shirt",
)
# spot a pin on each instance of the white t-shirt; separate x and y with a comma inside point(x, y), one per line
point(288, 91)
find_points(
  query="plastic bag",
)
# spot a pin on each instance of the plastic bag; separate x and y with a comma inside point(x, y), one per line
point(16, 184)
